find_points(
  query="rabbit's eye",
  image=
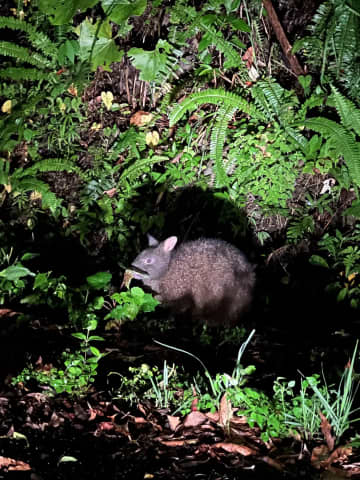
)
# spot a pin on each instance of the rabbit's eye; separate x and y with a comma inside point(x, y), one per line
point(148, 261)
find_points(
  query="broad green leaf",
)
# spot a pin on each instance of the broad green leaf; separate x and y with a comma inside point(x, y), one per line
point(95, 351)
point(20, 436)
point(92, 324)
point(99, 280)
point(150, 62)
point(29, 256)
point(342, 294)
point(353, 210)
point(60, 12)
point(41, 281)
point(120, 10)
point(231, 5)
point(14, 272)
point(239, 24)
point(69, 50)
point(319, 261)
point(85, 4)
point(98, 303)
point(96, 337)
point(79, 335)
point(138, 293)
point(104, 51)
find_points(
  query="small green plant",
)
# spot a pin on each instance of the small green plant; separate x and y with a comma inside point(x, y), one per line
point(334, 43)
point(260, 410)
point(222, 381)
point(342, 256)
point(301, 412)
point(131, 303)
point(338, 404)
point(13, 278)
point(79, 371)
point(164, 387)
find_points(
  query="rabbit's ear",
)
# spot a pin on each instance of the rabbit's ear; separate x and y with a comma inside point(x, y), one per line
point(169, 244)
point(152, 241)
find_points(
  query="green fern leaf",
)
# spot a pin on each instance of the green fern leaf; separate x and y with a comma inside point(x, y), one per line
point(22, 73)
point(52, 165)
point(213, 96)
point(233, 58)
point(140, 167)
point(218, 135)
point(16, 24)
point(38, 39)
point(345, 144)
point(348, 113)
point(49, 199)
point(9, 49)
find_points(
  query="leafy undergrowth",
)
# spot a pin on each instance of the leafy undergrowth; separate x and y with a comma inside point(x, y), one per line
point(129, 424)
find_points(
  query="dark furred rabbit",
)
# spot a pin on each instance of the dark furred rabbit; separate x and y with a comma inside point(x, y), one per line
point(209, 279)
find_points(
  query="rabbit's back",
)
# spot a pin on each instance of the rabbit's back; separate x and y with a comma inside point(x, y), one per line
point(210, 279)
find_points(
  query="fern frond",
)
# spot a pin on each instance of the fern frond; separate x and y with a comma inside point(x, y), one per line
point(49, 199)
point(218, 135)
point(9, 49)
point(38, 39)
point(272, 99)
point(297, 138)
point(300, 226)
point(138, 168)
point(53, 165)
point(43, 43)
point(215, 97)
point(16, 24)
point(311, 102)
point(348, 113)
point(345, 38)
point(323, 23)
point(344, 143)
point(132, 140)
point(233, 58)
point(23, 73)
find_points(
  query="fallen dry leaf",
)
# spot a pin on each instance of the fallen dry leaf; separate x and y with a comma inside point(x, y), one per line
point(339, 454)
point(92, 414)
point(318, 455)
point(106, 426)
point(178, 443)
point(214, 417)
point(55, 420)
point(128, 276)
point(273, 463)
point(141, 118)
point(110, 193)
point(248, 57)
point(195, 402)
point(73, 90)
point(13, 465)
point(326, 430)
point(235, 448)
point(174, 422)
point(194, 419)
point(139, 420)
point(7, 312)
point(242, 420)
point(225, 411)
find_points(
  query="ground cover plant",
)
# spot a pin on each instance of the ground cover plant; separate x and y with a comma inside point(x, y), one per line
point(229, 119)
